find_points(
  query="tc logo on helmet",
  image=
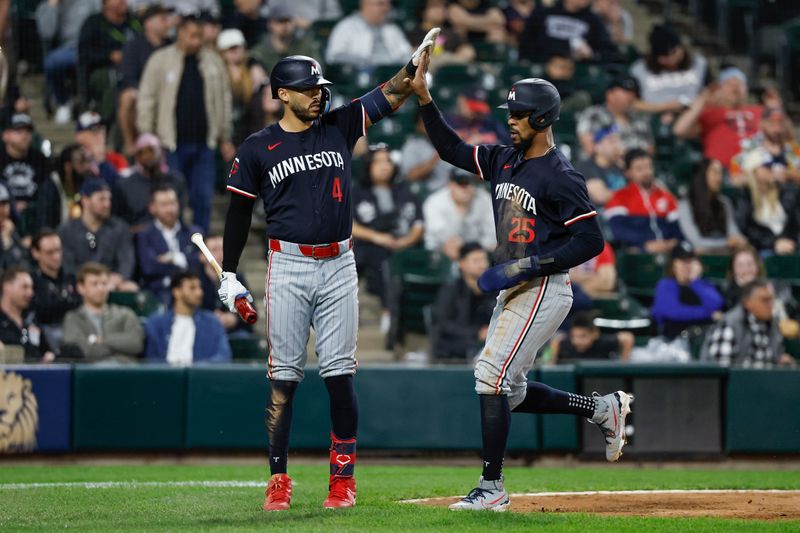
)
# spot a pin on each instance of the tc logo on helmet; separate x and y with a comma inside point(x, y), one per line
point(512, 94)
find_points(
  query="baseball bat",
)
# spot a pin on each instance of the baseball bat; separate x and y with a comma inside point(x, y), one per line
point(243, 307)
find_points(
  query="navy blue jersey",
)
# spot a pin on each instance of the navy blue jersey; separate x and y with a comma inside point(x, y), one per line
point(303, 178)
point(534, 200)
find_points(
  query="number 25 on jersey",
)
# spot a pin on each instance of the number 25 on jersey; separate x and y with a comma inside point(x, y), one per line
point(522, 230)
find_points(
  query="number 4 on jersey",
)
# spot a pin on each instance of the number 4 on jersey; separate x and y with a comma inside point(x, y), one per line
point(337, 189)
point(522, 230)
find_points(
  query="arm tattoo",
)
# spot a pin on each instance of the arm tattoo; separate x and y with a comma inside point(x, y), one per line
point(395, 91)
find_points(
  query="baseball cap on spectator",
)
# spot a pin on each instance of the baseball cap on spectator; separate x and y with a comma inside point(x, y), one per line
point(475, 98)
point(625, 82)
point(18, 121)
point(604, 132)
point(280, 12)
point(88, 120)
point(209, 16)
point(230, 38)
point(4, 194)
point(151, 10)
point(467, 248)
point(684, 250)
point(732, 72)
point(462, 177)
point(663, 39)
point(92, 186)
point(147, 140)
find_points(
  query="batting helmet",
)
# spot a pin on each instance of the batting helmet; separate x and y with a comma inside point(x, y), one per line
point(538, 96)
point(298, 72)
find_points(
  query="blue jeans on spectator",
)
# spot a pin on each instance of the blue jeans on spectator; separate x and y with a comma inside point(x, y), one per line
point(196, 162)
point(58, 65)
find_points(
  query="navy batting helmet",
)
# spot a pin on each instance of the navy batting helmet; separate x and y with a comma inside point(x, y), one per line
point(296, 72)
point(538, 96)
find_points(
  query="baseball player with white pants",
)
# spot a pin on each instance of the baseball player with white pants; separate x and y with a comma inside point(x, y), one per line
point(301, 169)
point(545, 225)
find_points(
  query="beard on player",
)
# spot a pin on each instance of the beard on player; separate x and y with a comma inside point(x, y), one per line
point(521, 143)
point(307, 113)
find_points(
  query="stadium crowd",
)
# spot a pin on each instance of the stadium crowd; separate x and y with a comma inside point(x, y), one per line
point(694, 170)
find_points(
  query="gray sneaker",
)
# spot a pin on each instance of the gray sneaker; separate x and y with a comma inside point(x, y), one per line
point(487, 496)
point(609, 415)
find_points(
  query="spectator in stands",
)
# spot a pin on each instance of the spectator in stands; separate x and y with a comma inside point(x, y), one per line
point(11, 247)
point(248, 19)
point(618, 109)
point(747, 335)
point(516, 13)
point(191, 115)
point(462, 311)
point(603, 169)
point(477, 20)
point(100, 43)
point(25, 172)
point(671, 76)
point(131, 194)
point(97, 330)
point(568, 27)
point(705, 215)
point(211, 26)
point(617, 20)
point(473, 121)
point(459, 213)
point(721, 117)
point(18, 327)
point(420, 162)
point(585, 342)
point(387, 217)
point(97, 236)
point(643, 215)
point(682, 297)
point(59, 24)
point(186, 334)
point(74, 168)
point(775, 139)
point(283, 38)
point(451, 47)
point(767, 210)
point(746, 266)
point(90, 132)
point(209, 280)
point(155, 19)
point(597, 277)
point(244, 78)
point(54, 291)
point(560, 71)
point(263, 110)
point(366, 38)
point(164, 247)
point(309, 11)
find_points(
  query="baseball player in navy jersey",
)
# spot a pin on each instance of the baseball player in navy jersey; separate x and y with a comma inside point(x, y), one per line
point(301, 167)
point(545, 225)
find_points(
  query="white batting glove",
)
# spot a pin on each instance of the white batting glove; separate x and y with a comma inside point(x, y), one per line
point(230, 289)
point(427, 42)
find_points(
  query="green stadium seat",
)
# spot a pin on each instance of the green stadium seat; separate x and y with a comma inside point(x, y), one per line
point(784, 267)
point(413, 278)
point(247, 348)
point(715, 267)
point(620, 312)
point(564, 129)
point(142, 303)
point(459, 76)
point(321, 30)
point(498, 53)
point(640, 272)
point(592, 78)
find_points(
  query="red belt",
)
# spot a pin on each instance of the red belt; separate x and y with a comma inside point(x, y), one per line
point(317, 251)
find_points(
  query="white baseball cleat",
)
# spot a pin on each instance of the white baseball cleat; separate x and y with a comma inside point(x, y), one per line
point(487, 496)
point(609, 414)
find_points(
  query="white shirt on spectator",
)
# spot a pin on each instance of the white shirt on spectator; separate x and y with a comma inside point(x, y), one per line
point(353, 41)
point(171, 237)
point(181, 341)
point(443, 220)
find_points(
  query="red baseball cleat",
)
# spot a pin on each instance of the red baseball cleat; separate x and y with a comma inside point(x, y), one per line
point(342, 493)
point(279, 493)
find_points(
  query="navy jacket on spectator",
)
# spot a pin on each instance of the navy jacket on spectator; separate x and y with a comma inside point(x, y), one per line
point(156, 276)
point(210, 342)
point(636, 216)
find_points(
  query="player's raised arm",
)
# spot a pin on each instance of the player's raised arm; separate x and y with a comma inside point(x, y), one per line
point(387, 97)
point(446, 141)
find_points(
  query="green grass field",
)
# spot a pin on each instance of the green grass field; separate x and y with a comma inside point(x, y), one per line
point(191, 508)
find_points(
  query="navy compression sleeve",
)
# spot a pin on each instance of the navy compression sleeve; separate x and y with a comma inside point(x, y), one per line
point(446, 141)
point(237, 227)
point(585, 242)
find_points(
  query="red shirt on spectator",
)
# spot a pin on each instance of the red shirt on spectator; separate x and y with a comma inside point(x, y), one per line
point(722, 129)
point(117, 160)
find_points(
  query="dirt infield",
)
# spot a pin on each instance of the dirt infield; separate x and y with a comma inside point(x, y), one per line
point(751, 504)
